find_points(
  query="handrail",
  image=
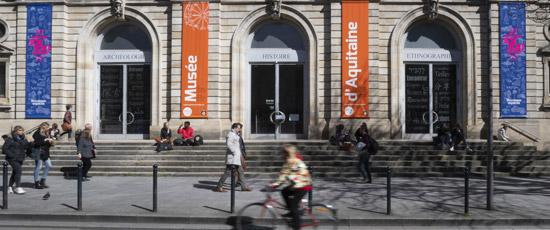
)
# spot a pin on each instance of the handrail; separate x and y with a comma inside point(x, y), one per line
point(523, 132)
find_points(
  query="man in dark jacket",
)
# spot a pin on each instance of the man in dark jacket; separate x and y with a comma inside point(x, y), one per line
point(15, 149)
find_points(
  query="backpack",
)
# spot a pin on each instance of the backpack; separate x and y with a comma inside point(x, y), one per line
point(372, 146)
point(198, 140)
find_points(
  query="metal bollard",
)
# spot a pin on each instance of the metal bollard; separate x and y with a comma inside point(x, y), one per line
point(388, 190)
point(233, 188)
point(310, 194)
point(155, 192)
point(467, 190)
point(5, 185)
point(79, 187)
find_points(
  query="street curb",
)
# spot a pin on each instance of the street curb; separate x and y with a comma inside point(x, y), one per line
point(172, 219)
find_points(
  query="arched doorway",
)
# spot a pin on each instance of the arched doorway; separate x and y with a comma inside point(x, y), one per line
point(278, 80)
point(123, 86)
point(431, 77)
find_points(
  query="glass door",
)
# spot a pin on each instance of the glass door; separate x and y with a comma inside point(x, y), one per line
point(263, 99)
point(430, 99)
point(124, 101)
point(277, 87)
point(111, 99)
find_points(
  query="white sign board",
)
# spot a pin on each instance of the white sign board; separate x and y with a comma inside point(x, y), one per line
point(275, 55)
point(430, 55)
point(122, 56)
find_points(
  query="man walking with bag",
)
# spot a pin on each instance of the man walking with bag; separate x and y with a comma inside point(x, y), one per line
point(233, 159)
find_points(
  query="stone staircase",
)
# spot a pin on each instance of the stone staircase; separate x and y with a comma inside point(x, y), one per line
point(406, 158)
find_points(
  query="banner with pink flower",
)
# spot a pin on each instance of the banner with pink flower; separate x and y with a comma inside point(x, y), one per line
point(513, 99)
point(38, 63)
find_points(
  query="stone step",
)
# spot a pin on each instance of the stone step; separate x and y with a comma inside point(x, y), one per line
point(351, 162)
point(317, 169)
point(304, 153)
point(278, 148)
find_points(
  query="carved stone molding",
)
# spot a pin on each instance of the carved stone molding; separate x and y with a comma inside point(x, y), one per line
point(117, 8)
point(432, 9)
point(274, 8)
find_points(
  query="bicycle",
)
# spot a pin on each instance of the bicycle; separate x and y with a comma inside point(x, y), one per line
point(266, 215)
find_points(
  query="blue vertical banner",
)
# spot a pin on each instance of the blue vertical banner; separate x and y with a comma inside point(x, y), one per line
point(39, 61)
point(513, 97)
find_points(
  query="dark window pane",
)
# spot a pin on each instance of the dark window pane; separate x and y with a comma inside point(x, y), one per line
point(111, 99)
point(263, 98)
point(3, 79)
point(417, 99)
point(291, 98)
point(444, 95)
point(139, 99)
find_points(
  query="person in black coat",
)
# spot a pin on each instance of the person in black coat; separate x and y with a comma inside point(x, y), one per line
point(41, 155)
point(15, 148)
point(85, 150)
point(361, 132)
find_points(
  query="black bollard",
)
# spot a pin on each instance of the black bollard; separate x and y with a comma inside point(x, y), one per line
point(79, 187)
point(155, 193)
point(5, 185)
point(310, 193)
point(232, 188)
point(388, 190)
point(466, 190)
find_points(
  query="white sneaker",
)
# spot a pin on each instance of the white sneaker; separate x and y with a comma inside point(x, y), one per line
point(452, 149)
point(19, 190)
point(10, 190)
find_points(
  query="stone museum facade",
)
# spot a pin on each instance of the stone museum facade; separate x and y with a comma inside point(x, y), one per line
point(428, 63)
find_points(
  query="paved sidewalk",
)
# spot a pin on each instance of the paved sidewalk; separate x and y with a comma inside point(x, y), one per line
point(415, 201)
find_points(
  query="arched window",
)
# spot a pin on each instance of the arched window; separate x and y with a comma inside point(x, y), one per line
point(126, 37)
point(277, 35)
point(431, 35)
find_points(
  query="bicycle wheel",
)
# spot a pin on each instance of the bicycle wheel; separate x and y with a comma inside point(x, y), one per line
point(256, 216)
point(320, 216)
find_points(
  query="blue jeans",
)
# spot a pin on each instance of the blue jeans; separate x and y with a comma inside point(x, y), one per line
point(38, 166)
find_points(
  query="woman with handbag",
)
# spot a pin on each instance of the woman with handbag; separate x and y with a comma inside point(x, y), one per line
point(67, 122)
point(15, 148)
point(41, 155)
point(86, 152)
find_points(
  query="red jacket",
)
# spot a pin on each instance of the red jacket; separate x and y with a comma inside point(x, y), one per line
point(186, 133)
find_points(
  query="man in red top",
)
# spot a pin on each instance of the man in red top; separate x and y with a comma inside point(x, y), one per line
point(187, 133)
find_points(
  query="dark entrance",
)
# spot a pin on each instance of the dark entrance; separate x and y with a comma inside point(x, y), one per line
point(430, 97)
point(125, 100)
point(277, 87)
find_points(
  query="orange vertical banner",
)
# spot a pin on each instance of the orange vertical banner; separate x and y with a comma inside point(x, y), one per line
point(194, 60)
point(355, 59)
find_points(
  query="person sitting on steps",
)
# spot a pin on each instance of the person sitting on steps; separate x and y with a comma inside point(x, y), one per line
point(164, 139)
point(187, 134)
point(457, 137)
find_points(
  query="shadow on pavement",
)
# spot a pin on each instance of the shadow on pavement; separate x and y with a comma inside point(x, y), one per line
point(217, 209)
point(246, 224)
point(141, 207)
point(69, 206)
point(204, 186)
point(366, 210)
point(69, 173)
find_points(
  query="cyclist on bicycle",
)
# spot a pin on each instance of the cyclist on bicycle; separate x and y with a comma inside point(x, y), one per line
point(294, 172)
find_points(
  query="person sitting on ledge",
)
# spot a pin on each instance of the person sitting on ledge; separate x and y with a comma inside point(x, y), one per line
point(187, 134)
